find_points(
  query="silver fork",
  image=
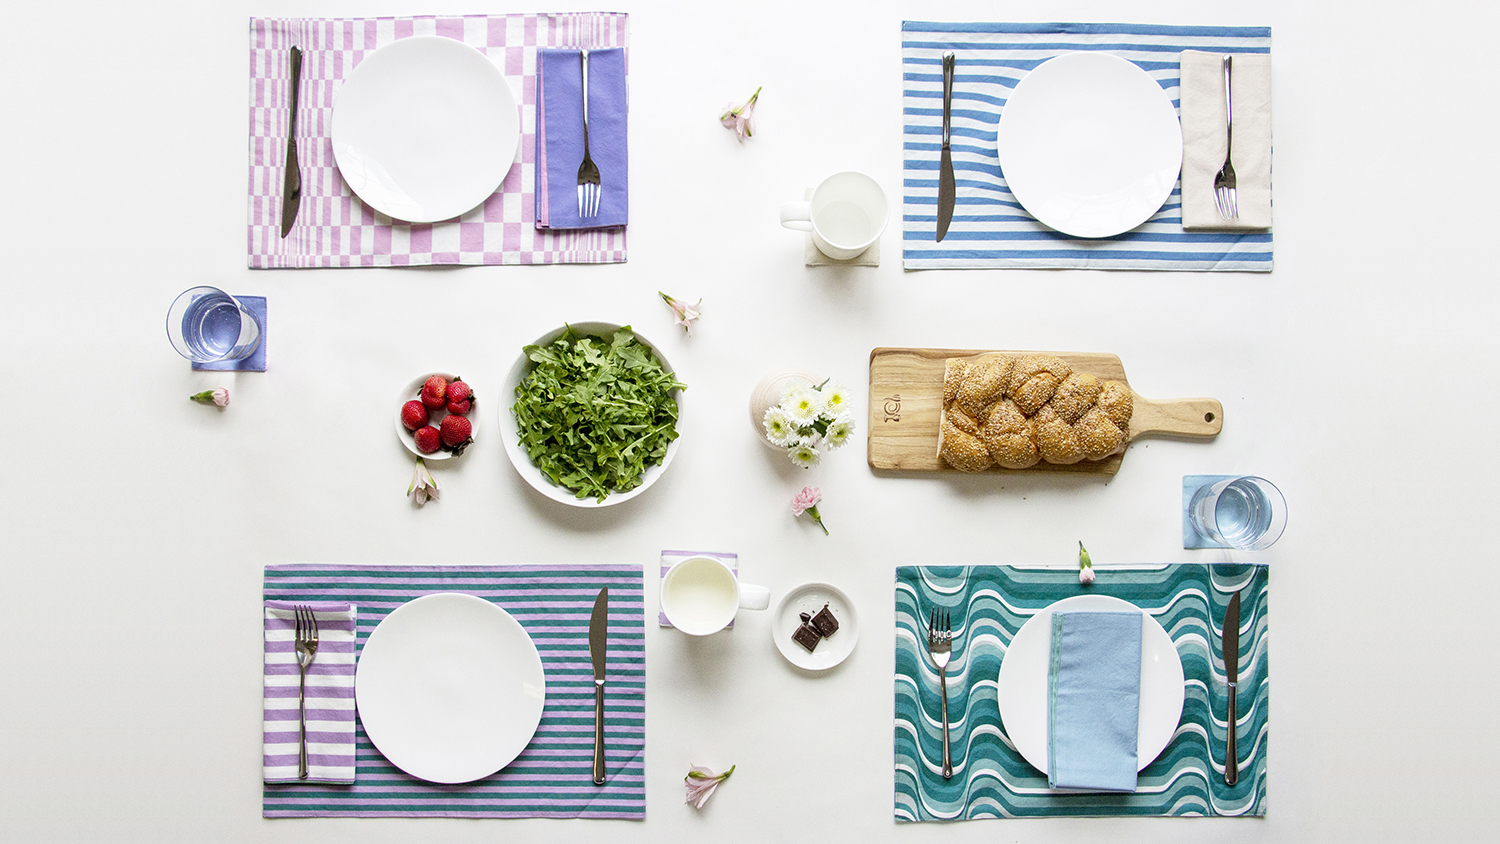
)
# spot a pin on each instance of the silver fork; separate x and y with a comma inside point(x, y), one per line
point(1224, 184)
point(307, 651)
point(588, 172)
point(940, 647)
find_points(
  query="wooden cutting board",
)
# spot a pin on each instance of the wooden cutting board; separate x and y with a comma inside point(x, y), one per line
point(906, 404)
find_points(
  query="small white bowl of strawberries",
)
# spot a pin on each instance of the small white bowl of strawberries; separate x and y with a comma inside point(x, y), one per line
point(438, 416)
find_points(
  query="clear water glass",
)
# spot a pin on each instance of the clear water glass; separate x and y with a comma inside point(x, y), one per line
point(205, 324)
point(1247, 513)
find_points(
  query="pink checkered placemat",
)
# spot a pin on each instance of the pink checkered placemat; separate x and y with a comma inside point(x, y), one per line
point(335, 229)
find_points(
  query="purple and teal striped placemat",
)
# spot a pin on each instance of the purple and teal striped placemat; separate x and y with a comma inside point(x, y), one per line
point(552, 778)
point(990, 228)
point(335, 229)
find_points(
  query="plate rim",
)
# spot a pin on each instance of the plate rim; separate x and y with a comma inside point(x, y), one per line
point(468, 599)
point(1119, 60)
point(513, 127)
point(1106, 602)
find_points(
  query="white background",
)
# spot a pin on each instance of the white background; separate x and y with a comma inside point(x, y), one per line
point(1359, 376)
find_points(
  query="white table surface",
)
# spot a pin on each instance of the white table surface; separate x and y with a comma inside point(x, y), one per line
point(1358, 376)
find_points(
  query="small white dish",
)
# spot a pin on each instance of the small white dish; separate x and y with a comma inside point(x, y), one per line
point(809, 598)
point(425, 129)
point(1090, 144)
point(1024, 673)
point(413, 392)
point(450, 688)
point(510, 431)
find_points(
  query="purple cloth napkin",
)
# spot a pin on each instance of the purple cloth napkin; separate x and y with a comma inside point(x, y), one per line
point(559, 138)
point(330, 694)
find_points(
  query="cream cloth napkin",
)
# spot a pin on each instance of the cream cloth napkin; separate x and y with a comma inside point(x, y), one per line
point(1203, 138)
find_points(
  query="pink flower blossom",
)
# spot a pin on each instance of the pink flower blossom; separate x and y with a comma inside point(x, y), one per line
point(738, 117)
point(1085, 566)
point(685, 313)
point(701, 783)
point(424, 486)
point(218, 397)
point(806, 501)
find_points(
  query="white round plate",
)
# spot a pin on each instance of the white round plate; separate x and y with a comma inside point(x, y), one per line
point(450, 688)
point(425, 129)
point(809, 598)
point(1089, 144)
point(510, 431)
point(413, 392)
point(1023, 682)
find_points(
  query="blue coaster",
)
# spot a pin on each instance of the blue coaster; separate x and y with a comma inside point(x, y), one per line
point(1191, 538)
point(257, 360)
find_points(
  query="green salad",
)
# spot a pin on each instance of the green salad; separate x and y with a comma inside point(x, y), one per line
point(595, 412)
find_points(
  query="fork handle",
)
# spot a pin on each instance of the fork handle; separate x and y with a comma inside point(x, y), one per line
point(1228, 108)
point(583, 66)
point(302, 725)
point(947, 757)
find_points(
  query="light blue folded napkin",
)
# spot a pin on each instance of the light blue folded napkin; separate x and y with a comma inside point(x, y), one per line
point(1094, 700)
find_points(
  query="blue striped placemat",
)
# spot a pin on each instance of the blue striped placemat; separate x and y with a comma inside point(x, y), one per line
point(552, 778)
point(991, 229)
point(991, 779)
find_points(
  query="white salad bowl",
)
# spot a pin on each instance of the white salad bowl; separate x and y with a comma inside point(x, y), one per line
point(510, 431)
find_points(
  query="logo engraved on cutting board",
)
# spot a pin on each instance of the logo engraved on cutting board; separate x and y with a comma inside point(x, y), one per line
point(893, 408)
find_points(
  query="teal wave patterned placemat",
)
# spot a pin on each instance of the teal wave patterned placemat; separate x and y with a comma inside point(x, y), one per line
point(988, 605)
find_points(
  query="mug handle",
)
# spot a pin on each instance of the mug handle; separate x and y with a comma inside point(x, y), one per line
point(754, 597)
point(796, 215)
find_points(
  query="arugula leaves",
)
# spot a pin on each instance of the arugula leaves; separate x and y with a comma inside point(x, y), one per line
point(594, 412)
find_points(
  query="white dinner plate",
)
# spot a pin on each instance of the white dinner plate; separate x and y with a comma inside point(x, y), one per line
point(810, 598)
point(449, 688)
point(1090, 144)
point(425, 129)
point(1023, 682)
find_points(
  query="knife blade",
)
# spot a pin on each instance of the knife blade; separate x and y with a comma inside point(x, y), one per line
point(947, 189)
point(598, 640)
point(291, 185)
point(1231, 646)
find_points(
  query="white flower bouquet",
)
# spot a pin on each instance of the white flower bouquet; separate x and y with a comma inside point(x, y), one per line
point(810, 421)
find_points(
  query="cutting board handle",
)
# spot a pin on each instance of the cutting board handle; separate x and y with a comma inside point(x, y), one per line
point(1193, 418)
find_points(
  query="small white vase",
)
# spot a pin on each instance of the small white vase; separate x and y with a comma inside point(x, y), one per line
point(768, 393)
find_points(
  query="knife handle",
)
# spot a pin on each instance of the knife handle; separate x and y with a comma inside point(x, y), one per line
point(295, 85)
point(1232, 756)
point(948, 61)
point(598, 734)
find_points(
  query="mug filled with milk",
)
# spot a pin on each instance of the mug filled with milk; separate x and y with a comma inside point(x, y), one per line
point(700, 595)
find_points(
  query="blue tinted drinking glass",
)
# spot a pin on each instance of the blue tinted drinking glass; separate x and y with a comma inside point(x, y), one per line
point(205, 324)
point(1247, 513)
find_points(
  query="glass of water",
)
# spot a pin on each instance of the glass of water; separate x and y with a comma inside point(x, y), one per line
point(1247, 513)
point(205, 324)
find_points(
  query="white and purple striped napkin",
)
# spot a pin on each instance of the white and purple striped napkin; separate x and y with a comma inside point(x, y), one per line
point(330, 695)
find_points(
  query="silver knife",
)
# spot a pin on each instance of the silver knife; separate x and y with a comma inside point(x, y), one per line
point(947, 190)
point(598, 639)
point(1231, 644)
point(291, 186)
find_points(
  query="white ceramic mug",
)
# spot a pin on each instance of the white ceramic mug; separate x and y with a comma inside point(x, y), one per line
point(846, 215)
point(700, 595)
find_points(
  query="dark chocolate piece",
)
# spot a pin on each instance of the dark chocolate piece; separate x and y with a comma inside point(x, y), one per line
point(825, 622)
point(805, 617)
point(807, 636)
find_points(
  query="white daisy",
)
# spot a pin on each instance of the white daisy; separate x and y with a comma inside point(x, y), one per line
point(805, 456)
point(835, 400)
point(839, 431)
point(803, 405)
point(779, 428)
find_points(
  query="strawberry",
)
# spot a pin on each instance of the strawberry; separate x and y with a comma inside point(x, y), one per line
point(435, 392)
point(456, 431)
point(413, 415)
point(460, 397)
point(428, 439)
